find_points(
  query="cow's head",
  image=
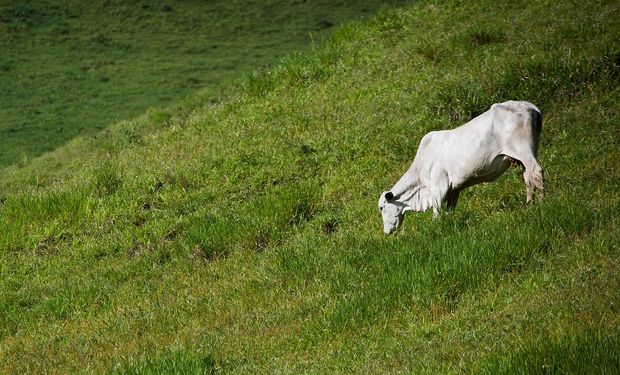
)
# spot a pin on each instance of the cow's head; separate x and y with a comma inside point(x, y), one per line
point(392, 212)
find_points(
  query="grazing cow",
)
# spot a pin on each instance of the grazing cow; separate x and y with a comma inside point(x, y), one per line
point(448, 161)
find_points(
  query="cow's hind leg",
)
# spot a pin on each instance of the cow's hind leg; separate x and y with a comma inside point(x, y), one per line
point(532, 173)
point(534, 180)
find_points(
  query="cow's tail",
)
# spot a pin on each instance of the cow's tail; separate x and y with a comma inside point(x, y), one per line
point(536, 123)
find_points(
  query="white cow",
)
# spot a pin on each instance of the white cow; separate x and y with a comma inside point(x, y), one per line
point(448, 161)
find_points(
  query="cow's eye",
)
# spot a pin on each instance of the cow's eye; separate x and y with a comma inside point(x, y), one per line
point(380, 208)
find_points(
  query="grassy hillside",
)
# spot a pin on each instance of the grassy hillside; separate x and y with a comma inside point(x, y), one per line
point(70, 68)
point(243, 236)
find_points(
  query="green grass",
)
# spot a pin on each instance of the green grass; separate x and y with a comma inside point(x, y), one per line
point(71, 68)
point(173, 363)
point(243, 236)
point(585, 353)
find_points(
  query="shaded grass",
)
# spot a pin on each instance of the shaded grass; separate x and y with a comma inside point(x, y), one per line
point(589, 352)
point(539, 81)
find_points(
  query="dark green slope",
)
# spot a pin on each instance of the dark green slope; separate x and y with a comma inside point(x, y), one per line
point(71, 68)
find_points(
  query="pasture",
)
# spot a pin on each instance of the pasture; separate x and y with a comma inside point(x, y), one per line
point(71, 68)
point(243, 236)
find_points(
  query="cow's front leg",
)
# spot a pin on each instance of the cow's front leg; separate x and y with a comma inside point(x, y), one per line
point(438, 197)
point(439, 188)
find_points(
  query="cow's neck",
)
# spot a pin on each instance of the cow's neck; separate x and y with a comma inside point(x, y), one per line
point(405, 188)
point(410, 192)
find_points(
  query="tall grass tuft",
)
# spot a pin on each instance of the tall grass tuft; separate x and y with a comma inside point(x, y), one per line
point(106, 180)
point(175, 362)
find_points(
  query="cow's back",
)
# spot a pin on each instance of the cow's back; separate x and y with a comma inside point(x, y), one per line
point(475, 152)
point(517, 122)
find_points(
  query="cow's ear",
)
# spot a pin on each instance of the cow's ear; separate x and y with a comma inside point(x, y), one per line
point(389, 196)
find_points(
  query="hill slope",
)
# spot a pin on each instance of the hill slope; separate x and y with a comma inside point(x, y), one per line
point(243, 236)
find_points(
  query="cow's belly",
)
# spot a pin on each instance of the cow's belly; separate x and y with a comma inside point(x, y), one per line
point(485, 172)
